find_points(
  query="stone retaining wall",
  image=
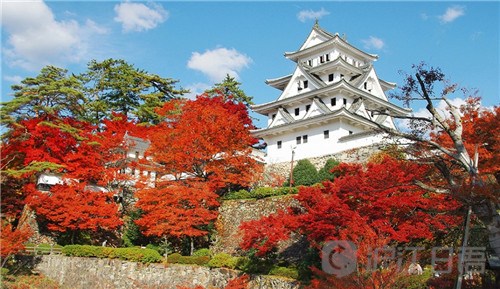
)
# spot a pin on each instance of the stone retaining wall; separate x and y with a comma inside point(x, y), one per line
point(359, 155)
point(233, 212)
point(85, 273)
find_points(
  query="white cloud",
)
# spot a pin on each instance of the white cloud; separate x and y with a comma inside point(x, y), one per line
point(218, 62)
point(35, 38)
point(373, 42)
point(196, 89)
point(452, 13)
point(310, 14)
point(13, 78)
point(140, 17)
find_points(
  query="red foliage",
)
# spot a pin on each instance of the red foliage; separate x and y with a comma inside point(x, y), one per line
point(207, 138)
point(376, 279)
point(75, 153)
point(481, 129)
point(265, 233)
point(240, 282)
point(370, 206)
point(176, 209)
point(12, 239)
point(74, 207)
point(200, 147)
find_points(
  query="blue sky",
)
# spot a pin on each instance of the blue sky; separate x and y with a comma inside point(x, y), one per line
point(199, 42)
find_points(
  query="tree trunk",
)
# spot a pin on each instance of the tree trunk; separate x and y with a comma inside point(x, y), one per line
point(192, 246)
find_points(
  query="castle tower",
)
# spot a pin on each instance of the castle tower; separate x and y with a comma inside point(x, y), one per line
point(327, 105)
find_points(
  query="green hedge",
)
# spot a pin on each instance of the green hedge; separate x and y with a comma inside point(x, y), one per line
point(197, 260)
point(202, 252)
point(223, 260)
point(134, 254)
point(285, 272)
point(260, 193)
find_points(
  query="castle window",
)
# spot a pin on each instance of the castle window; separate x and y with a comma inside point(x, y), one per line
point(304, 138)
point(365, 85)
point(333, 101)
point(327, 56)
point(321, 59)
point(310, 62)
point(298, 139)
point(297, 111)
point(350, 132)
point(279, 144)
point(308, 107)
point(345, 101)
point(274, 116)
point(136, 154)
point(306, 83)
point(330, 77)
point(342, 76)
point(326, 134)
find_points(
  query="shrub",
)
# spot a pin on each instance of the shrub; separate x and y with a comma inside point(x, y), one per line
point(4, 271)
point(325, 173)
point(197, 260)
point(138, 255)
point(202, 252)
point(238, 195)
point(129, 254)
point(81, 250)
point(253, 265)
point(260, 193)
point(284, 272)
point(304, 174)
point(157, 248)
point(174, 258)
point(223, 260)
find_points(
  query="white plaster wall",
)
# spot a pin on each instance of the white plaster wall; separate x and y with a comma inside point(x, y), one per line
point(317, 145)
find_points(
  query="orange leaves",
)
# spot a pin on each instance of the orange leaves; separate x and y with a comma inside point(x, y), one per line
point(74, 207)
point(370, 206)
point(202, 146)
point(209, 139)
point(12, 239)
point(177, 209)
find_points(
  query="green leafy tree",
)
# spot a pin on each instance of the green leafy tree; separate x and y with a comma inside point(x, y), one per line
point(304, 173)
point(52, 92)
point(325, 173)
point(117, 86)
point(229, 87)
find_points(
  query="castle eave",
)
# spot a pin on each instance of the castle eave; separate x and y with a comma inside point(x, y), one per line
point(319, 120)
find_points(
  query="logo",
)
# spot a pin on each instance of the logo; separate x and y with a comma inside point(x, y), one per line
point(339, 258)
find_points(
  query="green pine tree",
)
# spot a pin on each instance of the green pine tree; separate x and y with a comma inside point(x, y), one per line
point(229, 87)
point(304, 173)
point(325, 173)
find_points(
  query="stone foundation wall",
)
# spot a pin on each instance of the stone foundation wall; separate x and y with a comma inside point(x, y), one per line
point(359, 155)
point(233, 212)
point(84, 273)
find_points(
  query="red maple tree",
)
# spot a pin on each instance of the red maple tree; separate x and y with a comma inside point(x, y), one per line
point(201, 147)
point(68, 148)
point(379, 202)
point(207, 138)
point(373, 206)
point(12, 240)
point(177, 209)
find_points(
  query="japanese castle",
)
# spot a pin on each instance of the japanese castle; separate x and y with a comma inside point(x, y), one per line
point(327, 105)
